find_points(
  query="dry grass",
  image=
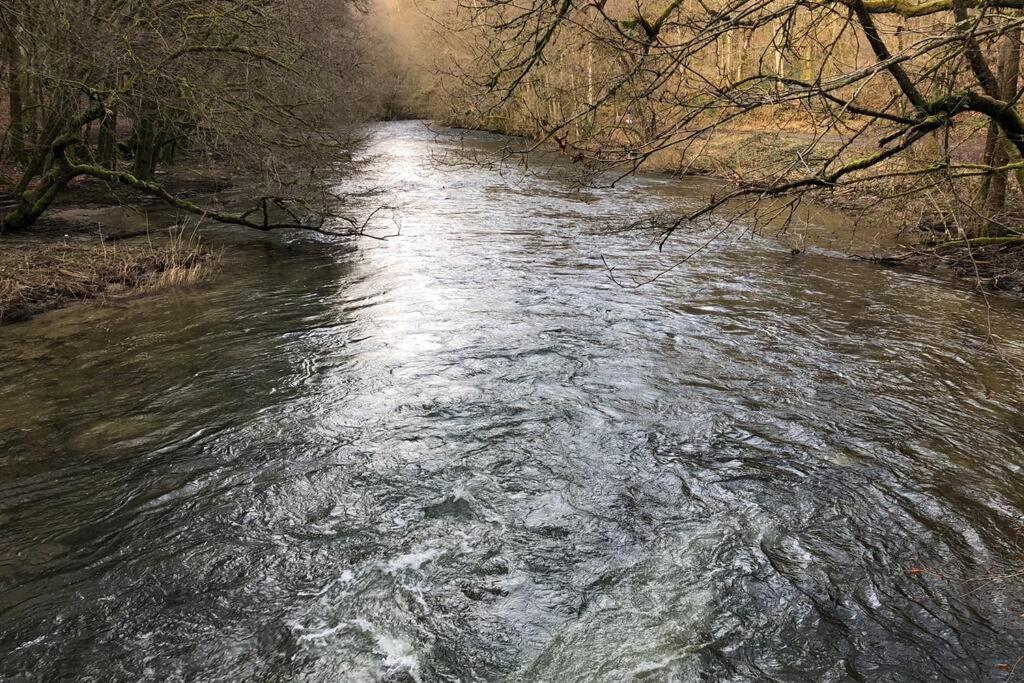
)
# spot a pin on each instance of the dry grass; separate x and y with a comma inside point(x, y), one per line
point(40, 273)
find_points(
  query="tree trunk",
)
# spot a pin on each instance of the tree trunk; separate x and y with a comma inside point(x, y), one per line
point(106, 146)
point(590, 74)
point(726, 56)
point(741, 66)
point(1009, 67)
point(16, 105)
point(988, 158)
point(32, 204)
point(168, 147)
point(996, 153)
point(35, 105)
point(37, 162)
point(145, 148)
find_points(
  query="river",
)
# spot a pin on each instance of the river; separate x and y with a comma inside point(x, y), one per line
point(465, 453)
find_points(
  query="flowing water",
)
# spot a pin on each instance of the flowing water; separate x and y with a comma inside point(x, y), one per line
point(466, 453)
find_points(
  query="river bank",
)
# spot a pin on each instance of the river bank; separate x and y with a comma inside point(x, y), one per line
point(41, 273)
point(911, 231)
point(96, 243)
point(923, 232)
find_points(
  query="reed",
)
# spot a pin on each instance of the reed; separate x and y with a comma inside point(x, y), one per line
point(38, 274)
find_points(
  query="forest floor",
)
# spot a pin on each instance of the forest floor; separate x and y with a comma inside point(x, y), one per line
point(94, 244)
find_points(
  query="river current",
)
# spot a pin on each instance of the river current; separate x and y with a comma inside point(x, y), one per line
point(466, 453)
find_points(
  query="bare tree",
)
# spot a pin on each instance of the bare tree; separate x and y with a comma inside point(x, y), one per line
point(888, 94)
point(111, 89)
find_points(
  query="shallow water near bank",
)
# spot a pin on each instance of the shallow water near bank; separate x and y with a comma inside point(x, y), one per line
point(466, 453)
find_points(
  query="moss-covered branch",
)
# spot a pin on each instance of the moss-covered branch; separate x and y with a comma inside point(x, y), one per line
point(921, 8)
point(1016, 240)
point(157, 190)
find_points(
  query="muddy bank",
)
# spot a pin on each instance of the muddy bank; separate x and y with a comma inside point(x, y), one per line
point(888, 223)
point(42, 272)
point(988, 268)
point(95, 243)
point(914, 232)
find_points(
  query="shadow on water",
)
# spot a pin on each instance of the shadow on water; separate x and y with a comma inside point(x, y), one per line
point(466, 454)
